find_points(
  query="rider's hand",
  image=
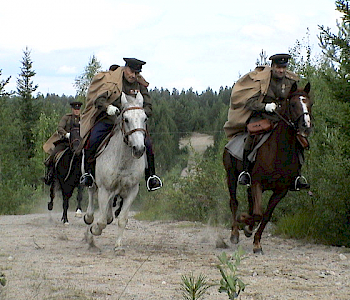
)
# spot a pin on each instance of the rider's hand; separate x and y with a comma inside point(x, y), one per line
point(67, 135)
point(112, 110)
point(270, 107)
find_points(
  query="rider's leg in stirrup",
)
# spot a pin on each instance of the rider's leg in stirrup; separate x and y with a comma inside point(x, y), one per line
point(87, 178)
point(153, 182)
point(244, 177)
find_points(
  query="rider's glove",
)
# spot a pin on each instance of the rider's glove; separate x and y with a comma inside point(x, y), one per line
point(270, 107)
point(67, 135)
point(112, 110)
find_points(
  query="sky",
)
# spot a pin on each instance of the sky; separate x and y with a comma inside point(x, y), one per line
point(186, 44)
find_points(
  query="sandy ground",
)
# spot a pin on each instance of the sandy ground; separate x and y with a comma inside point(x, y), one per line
point(43, 259)
point(40, 258)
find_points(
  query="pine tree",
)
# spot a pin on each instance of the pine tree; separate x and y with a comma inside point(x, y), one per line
point(336, 48)
point(25, 88)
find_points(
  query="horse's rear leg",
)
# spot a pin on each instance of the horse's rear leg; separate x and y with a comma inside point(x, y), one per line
point(78, 211)
point(273, 201)
point(231, 179)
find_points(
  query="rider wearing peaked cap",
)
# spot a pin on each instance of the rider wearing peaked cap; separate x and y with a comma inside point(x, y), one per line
point(102, 108)
point(59, 140)
point(270, 86)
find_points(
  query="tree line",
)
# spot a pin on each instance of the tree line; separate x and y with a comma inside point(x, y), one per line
point(27, 122)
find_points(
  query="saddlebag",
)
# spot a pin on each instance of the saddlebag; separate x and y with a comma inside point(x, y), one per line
point(260, 126)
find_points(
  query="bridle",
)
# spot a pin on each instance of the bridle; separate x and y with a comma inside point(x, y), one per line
point(290, 122)
point(127, 133)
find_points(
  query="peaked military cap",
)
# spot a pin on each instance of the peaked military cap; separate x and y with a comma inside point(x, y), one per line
point(76, 104)
point(280, 59)
point(134, 64)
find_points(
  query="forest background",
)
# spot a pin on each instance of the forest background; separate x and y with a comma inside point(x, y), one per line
point(27, 121)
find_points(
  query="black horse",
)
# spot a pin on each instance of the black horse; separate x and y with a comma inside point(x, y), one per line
point(67, 174)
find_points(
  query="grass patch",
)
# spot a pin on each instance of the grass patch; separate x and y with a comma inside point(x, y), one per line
point(298, 226)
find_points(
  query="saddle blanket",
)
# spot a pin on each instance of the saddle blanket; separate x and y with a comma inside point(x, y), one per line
point(236, 146)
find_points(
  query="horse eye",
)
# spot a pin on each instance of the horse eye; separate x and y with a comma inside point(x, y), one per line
point(126, 120)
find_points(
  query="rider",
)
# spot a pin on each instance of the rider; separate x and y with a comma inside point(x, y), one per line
point(103, 110)
point(67, 123)
point(264, 106)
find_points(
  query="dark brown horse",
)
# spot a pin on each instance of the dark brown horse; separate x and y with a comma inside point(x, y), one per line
point(275, 168)
point(67, 176)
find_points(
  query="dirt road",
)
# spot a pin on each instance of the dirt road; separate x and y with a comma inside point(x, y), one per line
point(44, 259)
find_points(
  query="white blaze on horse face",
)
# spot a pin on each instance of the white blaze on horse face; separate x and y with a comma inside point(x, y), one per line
point(307, 118)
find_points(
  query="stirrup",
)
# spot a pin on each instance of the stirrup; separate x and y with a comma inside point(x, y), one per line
point(84, 177)
point(296, 188)
point(243, 182)
point(155, 184)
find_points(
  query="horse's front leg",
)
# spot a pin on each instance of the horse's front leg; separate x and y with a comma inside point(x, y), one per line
point(105, 199)
point(65, 198)
point(52, 196)
point(123, 218)
point(273, 201)
point(89, 216)
point(78, 211)
point(256, 199)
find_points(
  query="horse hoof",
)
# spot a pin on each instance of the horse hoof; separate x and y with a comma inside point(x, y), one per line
point(50, 206)
point(88, 221)
point(234, 239)
point(110, 221)
point(78, 213)
point(94, 232)
point(119, 251)
point(258, 251)
point(247, 232)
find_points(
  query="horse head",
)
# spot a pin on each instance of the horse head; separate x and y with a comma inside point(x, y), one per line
point(133, 123)
point(74, 138)
point(298, 109)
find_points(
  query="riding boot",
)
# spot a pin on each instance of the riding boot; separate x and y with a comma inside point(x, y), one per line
point(244, 177)
point(153, 182)
point(87, 178)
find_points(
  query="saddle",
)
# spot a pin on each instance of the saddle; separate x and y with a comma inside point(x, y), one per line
point(236, 146)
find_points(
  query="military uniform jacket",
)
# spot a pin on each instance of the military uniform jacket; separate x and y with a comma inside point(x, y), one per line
point(67, 122)
point(64, 126)
point(248, 94)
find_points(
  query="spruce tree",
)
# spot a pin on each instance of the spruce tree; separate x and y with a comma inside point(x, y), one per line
point(28, 113)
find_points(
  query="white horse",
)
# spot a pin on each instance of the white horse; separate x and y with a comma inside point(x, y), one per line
point(119, 170)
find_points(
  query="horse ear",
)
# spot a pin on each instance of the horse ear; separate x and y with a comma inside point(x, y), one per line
point(294, 88)
point(139, 99)
point(307, 88)
point(123, 99)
